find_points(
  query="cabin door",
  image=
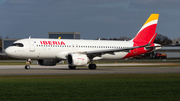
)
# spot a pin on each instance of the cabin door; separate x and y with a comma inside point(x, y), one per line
point(32, 45)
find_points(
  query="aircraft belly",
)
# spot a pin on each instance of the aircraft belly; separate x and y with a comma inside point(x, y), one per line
point(116, 55)
point(39, 55)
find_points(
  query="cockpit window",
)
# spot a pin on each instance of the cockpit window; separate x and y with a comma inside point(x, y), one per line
point(18, 44)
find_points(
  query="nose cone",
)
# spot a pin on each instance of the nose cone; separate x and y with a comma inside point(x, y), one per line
point(9, 51)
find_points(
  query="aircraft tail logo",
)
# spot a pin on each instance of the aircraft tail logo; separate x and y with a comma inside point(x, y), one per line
point(147, 32)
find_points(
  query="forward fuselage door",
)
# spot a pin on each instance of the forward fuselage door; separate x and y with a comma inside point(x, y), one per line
point(31, 46)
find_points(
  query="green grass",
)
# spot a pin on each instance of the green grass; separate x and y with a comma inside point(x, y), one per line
point(12, 63)
point(114, 87)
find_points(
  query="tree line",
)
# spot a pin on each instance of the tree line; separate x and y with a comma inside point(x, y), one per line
point(160, 39)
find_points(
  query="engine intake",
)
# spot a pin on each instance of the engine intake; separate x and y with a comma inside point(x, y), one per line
point(77, 59)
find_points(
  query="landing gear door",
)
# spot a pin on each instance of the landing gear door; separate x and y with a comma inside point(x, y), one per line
point(31, 46)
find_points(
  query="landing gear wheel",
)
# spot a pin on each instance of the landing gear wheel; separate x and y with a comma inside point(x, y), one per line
point(92, 66)
point(72, 67)
point(27, 67)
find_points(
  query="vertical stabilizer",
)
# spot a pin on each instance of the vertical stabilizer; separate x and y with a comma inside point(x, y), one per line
point(147, 33)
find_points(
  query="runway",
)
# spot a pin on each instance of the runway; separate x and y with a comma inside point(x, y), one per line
point(63, 69)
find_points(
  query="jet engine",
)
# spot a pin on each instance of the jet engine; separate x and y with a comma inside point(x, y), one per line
point(77, 59)
point(48, 62)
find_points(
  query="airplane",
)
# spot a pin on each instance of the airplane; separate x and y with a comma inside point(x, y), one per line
point(49, 52)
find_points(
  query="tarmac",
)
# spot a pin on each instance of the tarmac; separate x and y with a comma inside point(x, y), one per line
point(64, 70)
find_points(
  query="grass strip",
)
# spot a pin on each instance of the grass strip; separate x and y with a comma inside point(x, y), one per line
point(12, 63)
point(115, 87)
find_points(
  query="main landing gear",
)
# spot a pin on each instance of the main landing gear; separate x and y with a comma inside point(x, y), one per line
point(72, 67)
point(28, 62)
point(92, 66)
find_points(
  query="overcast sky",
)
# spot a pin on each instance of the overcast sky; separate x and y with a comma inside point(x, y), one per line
point(93, 18)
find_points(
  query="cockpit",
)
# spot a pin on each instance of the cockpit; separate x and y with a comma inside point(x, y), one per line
point(18, 44)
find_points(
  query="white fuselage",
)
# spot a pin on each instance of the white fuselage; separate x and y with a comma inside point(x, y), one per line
point(59, 48)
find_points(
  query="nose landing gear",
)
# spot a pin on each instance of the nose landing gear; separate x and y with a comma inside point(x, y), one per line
point(28, 62)
point(27, 67)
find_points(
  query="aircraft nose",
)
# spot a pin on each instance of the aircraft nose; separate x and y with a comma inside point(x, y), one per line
point(8, 51)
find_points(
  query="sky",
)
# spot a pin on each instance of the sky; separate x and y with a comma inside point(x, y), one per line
point(92, 18)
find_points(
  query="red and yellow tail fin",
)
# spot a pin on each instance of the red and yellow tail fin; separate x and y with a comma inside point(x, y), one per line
point(147, 33)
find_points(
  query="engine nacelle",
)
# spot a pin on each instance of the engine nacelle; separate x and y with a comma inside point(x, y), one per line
point(77, 59)
point(47, 62)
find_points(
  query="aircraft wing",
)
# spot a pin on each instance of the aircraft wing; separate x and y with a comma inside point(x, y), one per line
point(111, 51)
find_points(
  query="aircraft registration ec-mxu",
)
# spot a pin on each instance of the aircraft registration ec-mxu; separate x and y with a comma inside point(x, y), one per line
point(49, 52)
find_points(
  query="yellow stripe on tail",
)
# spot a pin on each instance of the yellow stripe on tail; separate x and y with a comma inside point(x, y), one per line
point(151, 18)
